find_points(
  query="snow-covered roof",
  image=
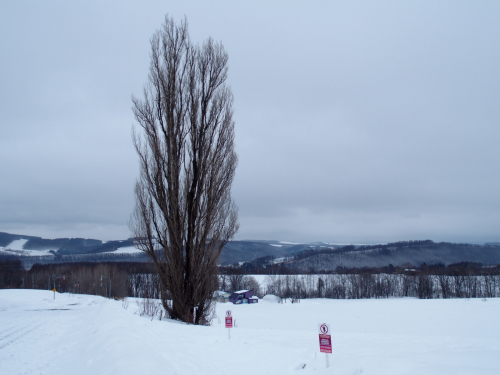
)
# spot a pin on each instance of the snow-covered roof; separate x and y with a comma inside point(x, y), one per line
point(241, 291)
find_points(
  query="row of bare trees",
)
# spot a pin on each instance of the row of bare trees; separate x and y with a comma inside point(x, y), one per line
point(121, 279)
point(145, 285)
point(141, 280)
point(11, 273)
point(348, 286)
point(106, 279)
point(356, 286)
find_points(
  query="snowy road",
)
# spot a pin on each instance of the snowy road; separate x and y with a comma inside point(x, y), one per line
point(92, 335)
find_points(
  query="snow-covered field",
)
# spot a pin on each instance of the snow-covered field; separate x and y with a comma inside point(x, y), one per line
point(125, 250)
point(91, 335)
point(16, 248)
point(16, 244)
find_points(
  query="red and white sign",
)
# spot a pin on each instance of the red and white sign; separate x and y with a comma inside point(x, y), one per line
point(229, 319)
point(325, 340)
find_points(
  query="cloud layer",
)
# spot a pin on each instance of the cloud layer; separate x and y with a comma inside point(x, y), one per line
point(355, 122)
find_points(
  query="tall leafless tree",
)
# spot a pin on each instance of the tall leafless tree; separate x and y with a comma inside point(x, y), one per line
point(184, 213)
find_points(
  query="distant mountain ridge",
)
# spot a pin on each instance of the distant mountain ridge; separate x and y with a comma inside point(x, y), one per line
point(64, 246)
point(233, 252)
point(247, 250)
point(411, 253)
point(318, 255)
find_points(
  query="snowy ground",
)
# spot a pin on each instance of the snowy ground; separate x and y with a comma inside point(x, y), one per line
point(16, 244)
point(16, 248)
point(124, 250)
point(91, 335)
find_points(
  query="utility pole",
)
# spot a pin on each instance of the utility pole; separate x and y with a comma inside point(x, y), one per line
point(107, 277)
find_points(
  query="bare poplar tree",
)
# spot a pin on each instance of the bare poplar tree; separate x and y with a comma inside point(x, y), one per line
point(184, 213)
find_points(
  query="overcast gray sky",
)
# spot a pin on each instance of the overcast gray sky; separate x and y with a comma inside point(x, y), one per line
point(356, 122)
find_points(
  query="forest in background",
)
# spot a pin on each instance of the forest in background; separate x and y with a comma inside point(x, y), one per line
point(128, 279)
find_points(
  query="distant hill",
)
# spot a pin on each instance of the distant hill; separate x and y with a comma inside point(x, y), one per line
point(61, 248)
point(412, 253)
point(64, 246)
point(317, 256)
point(7, 238)
point(247, 250)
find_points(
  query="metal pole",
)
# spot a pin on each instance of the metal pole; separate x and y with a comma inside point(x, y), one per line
point(59, 277)
point(107, 277)
point(327, 362)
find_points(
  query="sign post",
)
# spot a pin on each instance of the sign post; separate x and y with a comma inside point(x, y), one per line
point(58, 277)
point(325, 340)
point(229, 323)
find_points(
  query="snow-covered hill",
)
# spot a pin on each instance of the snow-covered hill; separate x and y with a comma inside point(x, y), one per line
point(91, 335)
point(16, 247)
point(300, 256)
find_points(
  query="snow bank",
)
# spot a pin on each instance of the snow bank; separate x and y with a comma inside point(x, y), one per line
point(271, 298)
point(92, 335)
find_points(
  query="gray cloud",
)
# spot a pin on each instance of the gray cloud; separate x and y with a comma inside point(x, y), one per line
point(355, 122)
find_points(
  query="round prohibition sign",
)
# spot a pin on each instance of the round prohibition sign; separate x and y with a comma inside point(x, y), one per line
point(228, 313)
point(324, 329)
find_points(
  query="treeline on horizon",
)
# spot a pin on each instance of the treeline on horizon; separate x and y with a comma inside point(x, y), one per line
point(79, 277)
point(29, 261)
point(139, 279)
point(264, 266)
point(348, 248)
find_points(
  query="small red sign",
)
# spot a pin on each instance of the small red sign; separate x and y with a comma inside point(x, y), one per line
point(229, 322)
point(325, 340)
point(325, 343)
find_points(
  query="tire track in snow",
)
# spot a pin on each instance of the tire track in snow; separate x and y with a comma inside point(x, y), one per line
point(4, 343)
point(4, 334)
point(10, 336)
